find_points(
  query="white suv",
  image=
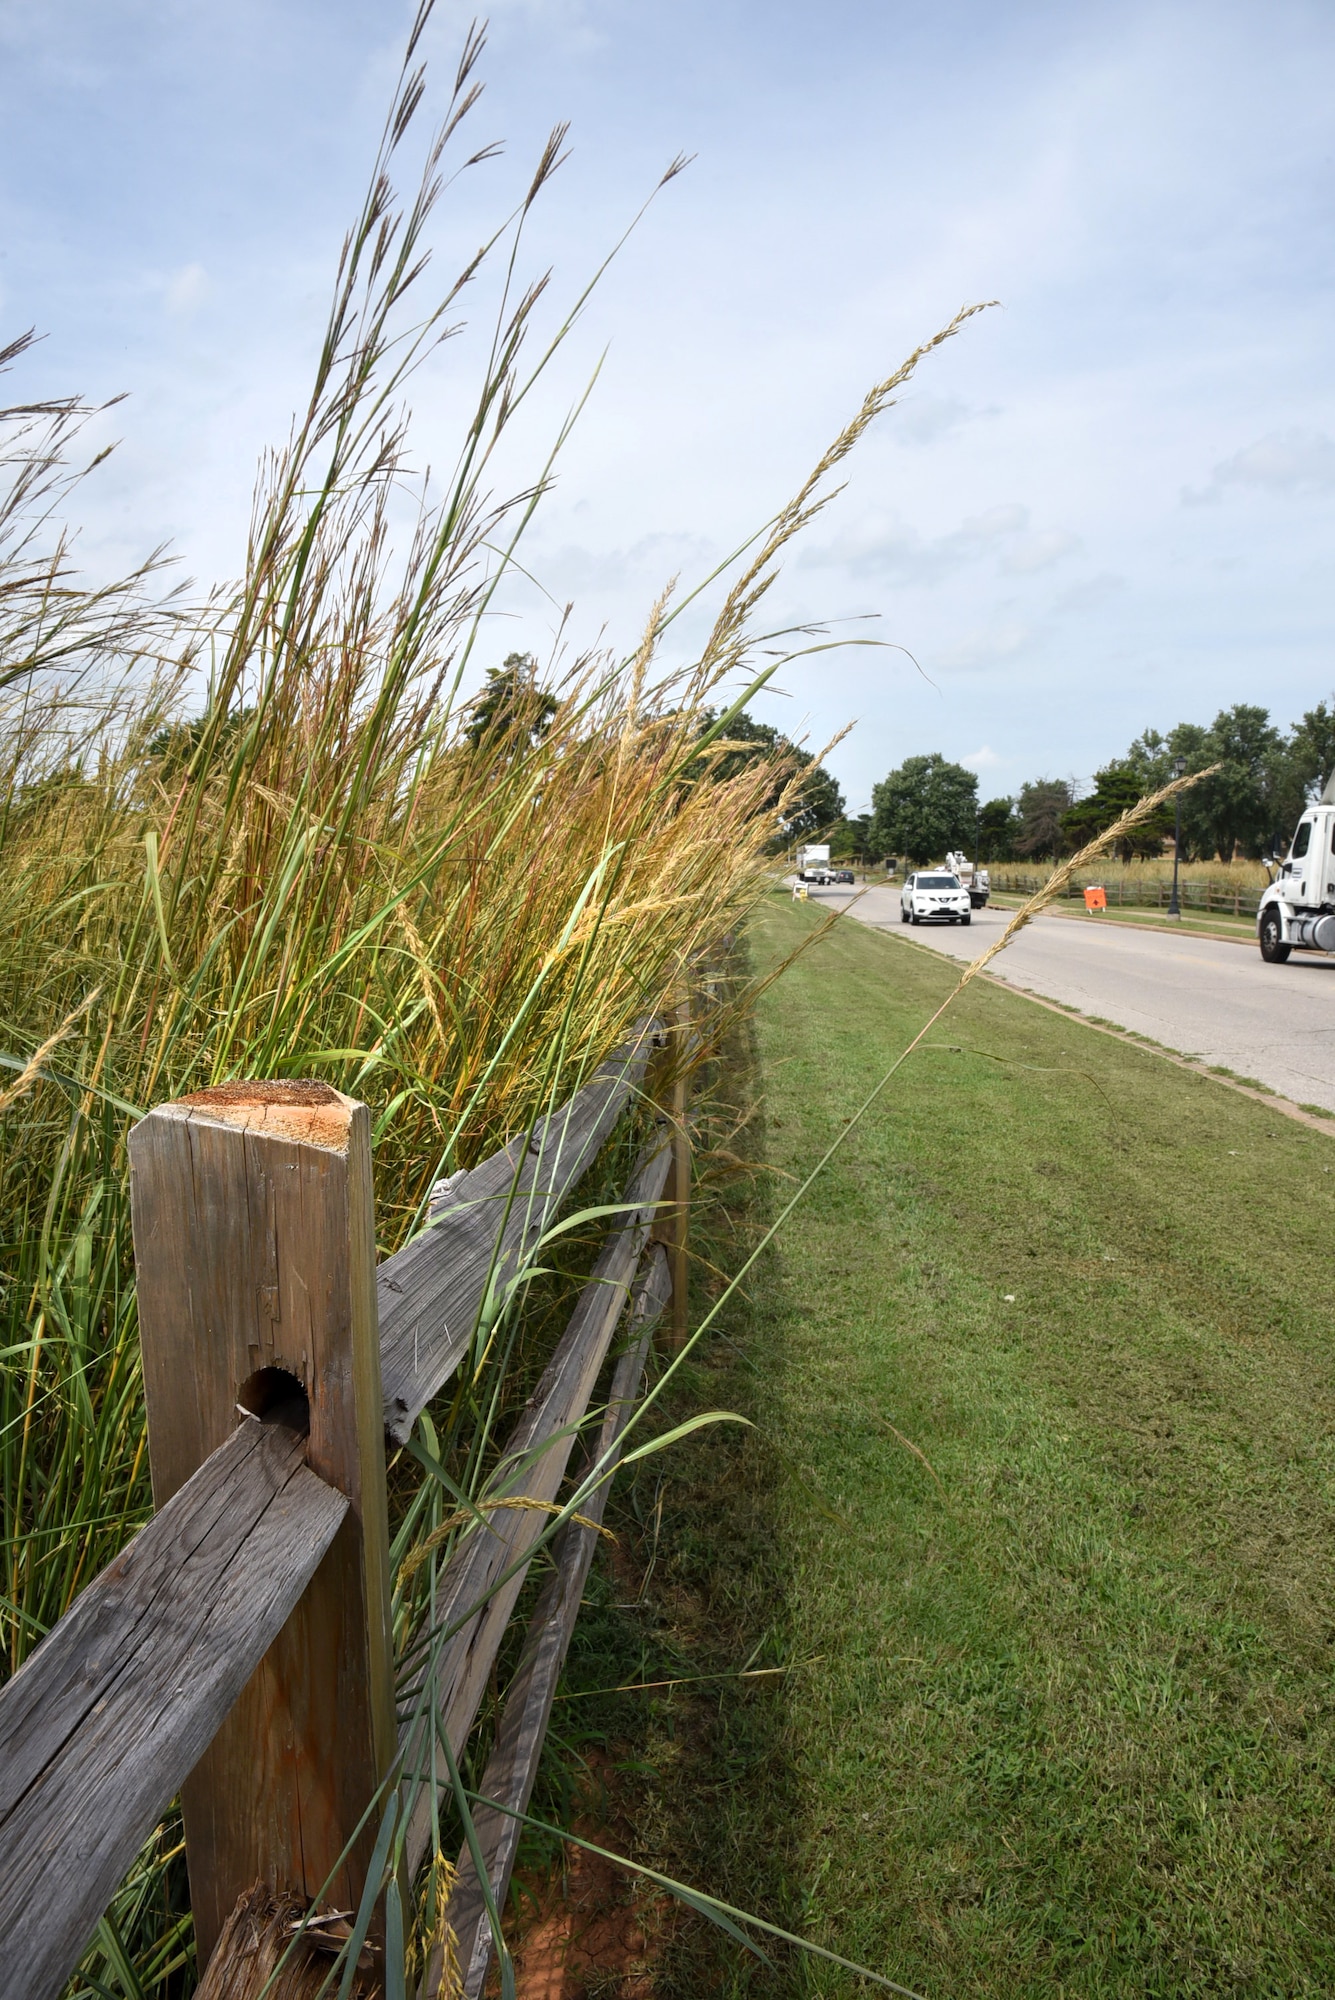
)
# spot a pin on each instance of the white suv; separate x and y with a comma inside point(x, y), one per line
point(933, 895)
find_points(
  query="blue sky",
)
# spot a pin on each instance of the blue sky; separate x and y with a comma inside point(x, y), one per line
point(1108, 504)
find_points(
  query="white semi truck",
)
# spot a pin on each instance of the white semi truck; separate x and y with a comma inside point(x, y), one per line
point(1297, 911)
point(813, 863)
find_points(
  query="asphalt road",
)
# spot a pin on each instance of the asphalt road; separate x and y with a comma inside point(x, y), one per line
point(1202, 996)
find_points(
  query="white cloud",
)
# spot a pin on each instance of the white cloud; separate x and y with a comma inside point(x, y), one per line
point(927, 419)
point(186, 288)
point(890, 551)
point(574, 571)
point(1094, 592)
point(1294, 461)
point(985, 645)
point(885, 549)
point(997, 521)
point(984, 759)
point(1035, 552)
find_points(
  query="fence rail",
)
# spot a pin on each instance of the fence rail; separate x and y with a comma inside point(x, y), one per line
point(477, 1593)
point(1212, 897)
point(107, 1718)
point(507, 1783)
point(237, 1651)
point(429, 1293)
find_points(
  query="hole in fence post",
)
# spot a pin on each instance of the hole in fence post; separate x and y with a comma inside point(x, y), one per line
point(276, 1397)
point(255, 1253)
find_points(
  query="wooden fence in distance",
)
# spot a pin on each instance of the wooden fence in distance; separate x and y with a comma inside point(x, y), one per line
point(1212, 897)
point(238, 1651)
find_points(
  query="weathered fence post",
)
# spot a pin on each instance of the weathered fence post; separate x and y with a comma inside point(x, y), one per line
point(673, 1227)
point(255, 1250)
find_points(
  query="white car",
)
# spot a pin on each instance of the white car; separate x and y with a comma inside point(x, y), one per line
point(933, 894)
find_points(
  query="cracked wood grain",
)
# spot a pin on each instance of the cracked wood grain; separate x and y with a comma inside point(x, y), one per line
point(108, 1716)
point(513, 1765)
point(447, 1675)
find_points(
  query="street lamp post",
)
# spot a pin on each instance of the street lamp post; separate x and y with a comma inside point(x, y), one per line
point(1179, 766)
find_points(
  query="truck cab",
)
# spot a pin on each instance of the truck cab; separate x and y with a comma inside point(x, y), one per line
point(1297, 911)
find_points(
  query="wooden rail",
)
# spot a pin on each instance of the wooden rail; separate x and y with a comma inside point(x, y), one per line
point(507, 1783)
point(237, 1651)
point(476, 1595)
point(429, 1293)
point(113, 1710)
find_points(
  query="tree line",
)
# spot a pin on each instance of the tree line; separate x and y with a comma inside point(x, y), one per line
point(1248, 807)
point(926, 806)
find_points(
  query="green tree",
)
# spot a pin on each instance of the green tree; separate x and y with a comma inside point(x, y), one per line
point(1151, 758)
point(1312, 748)
point(1251, 802)
point(512, 704)
point(1189, 741)
point(998, 826)
point(851, 839)
point(175, 746)
point(817, 804)
point(1249, 805)
point(1118, 787)
point(924, 808)
point(1042, 808)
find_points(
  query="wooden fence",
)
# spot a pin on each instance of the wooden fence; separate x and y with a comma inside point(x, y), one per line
point(1212, 897)
point(238, 1651)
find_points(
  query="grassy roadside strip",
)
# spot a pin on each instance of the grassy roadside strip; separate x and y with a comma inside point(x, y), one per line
point(1046, 1485)
point(1313, 1115)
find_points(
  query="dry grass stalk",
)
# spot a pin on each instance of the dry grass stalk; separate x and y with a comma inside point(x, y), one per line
point(322, 874)
point(1066, 873)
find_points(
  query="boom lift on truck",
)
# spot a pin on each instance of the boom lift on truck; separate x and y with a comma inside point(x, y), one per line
point(1297, 911)
point(976, 880)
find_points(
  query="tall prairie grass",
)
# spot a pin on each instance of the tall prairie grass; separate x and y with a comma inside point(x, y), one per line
point(259, 837)
point(1229, 875)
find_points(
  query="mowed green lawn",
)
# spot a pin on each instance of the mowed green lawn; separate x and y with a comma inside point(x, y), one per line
point(1068, 1726)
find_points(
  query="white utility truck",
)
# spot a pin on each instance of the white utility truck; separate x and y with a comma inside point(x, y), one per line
point(976, 880)
point(1298, 909)
point(813, 863)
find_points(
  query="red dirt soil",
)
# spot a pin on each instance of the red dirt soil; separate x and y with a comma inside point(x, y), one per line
point(589, 1926)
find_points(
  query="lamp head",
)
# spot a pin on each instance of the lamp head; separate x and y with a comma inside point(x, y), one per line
point(1179, 766)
